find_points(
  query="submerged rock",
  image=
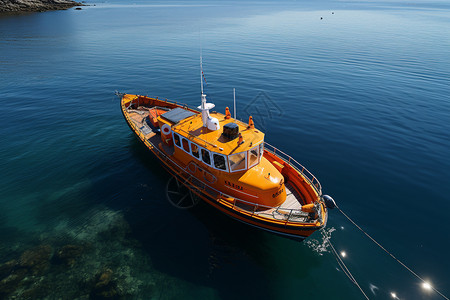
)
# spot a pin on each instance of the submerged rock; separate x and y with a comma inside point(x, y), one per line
point(37, 260)
point(97, 259)
point(12, 282)
point(68, 254)
point(35, 291)
point(104, 279)
point(105, 287)
point(7, 268)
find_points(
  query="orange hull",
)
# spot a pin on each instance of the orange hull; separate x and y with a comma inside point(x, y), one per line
point(233, 193)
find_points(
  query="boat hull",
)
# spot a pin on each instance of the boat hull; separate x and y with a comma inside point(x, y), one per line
point(285, 228)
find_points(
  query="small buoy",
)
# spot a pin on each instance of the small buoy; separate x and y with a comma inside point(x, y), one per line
point(329, 202)
point(77, 8)
point(321, 18)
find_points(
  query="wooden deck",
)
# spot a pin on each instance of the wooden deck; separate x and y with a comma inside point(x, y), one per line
point(291, 208)
point(138, 116)
point(293, 199)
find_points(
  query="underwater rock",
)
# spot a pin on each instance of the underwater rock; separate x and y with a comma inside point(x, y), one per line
point(36, 291)
point(103, 226)
point(104, 279)
point(105, 287)
point(117, 229)
point(12, 282)
point(7, 268)
point(95, 259)
point(68, 254)
point(37, 260)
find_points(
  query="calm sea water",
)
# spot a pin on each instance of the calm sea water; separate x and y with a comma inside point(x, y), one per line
point(358, 92)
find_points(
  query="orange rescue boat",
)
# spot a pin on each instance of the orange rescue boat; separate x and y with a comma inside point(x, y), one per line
point(227, 164)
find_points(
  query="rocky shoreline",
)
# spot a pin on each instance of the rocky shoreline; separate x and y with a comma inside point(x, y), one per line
point(14, 6)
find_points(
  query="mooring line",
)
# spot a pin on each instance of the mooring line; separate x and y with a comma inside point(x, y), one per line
point(392, 255)
point(344, 267)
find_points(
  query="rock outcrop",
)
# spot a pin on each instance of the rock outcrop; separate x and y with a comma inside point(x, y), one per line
point(68, 254)
point(35, 5)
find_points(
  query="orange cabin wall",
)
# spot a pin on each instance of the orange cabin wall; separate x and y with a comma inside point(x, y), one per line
point(292, 175)
point(263, 197)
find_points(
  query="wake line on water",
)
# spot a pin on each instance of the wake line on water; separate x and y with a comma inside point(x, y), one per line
point(320, 246)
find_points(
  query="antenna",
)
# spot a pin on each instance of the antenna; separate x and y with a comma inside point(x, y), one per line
point(208, 121)
point(234, 102)
point(201, 71)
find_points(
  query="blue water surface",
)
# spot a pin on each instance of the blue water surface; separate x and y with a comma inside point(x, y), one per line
point(356, 91)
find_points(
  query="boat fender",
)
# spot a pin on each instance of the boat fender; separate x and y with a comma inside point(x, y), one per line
point(308, 208)
point(329, 202)
point(166, 129)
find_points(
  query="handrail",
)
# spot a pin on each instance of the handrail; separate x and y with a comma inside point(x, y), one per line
point(164, 100)
point(296, 165)
point(293, 213)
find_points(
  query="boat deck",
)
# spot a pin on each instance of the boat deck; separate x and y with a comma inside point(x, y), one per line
point(288, 210)
point(293, 199)
point(138, 116)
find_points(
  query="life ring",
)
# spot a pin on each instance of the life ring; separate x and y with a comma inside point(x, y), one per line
point(166, 129)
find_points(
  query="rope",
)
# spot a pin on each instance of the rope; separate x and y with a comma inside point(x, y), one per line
point(395, 258)
point(343, 266)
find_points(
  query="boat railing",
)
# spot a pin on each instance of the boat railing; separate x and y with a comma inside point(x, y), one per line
point(186, 106)
point(133, 101)
point(169, 101)
point(268, 212)
point(296, 165)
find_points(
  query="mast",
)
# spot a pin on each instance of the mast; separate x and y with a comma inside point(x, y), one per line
point(201, 84)
point(201, 72)
point(234, 102)
point(210, 123)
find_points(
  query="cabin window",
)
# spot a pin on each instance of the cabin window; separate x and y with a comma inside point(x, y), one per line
point(176, 139)
point(186, 145)
point(205, 157)
point(238, 161)
point(194, 151)
point(220, 162)
point(253, 156)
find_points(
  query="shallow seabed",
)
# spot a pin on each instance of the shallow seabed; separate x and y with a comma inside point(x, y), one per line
point(358, 92)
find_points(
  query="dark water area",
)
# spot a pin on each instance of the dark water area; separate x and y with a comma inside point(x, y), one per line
point(356, 91)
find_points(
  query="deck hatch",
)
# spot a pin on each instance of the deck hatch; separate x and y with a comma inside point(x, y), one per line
point(231, 131)
point(177, 114)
